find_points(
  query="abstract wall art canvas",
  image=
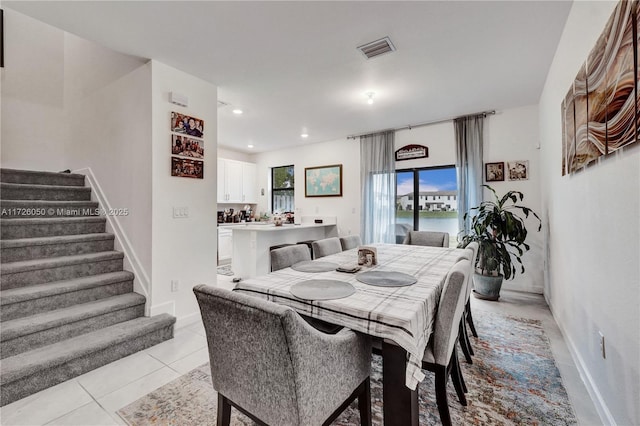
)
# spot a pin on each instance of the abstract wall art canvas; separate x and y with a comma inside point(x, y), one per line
point(602, 105)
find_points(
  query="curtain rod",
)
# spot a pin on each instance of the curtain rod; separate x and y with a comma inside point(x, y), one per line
point(428, 123)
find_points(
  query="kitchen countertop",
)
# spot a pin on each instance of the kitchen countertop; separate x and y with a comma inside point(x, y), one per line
point(272, 228)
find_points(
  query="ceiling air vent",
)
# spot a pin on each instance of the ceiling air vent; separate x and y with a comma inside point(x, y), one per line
point(377, 48)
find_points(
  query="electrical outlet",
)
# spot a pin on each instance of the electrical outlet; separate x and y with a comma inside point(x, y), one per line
point(603, 350)
point(175, 285)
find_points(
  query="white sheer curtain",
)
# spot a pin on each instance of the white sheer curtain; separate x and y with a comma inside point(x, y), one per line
point(469, 139)
point(378, 181)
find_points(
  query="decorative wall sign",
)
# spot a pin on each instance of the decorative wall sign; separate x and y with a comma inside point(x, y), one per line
point(600, 113)
point(186, 146)
point(187, 125)
point(323, 181)
point(410, 152)
point(183, 167)
point(518, 170)
point(494, 172)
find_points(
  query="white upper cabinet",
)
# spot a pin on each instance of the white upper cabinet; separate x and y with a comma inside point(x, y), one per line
point(237, 182)
point(249, 183)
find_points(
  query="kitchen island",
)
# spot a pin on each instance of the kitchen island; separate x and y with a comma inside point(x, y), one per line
point(251, 243)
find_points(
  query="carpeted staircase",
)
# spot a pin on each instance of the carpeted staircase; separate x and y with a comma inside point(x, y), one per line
point(66, 305)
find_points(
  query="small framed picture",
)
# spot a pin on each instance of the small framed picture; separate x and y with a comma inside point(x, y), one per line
point(518, 170)
point(494, 172)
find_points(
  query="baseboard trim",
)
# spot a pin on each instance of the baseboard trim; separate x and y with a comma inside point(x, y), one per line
point(601, 407)
point(141, 283)
point(163, 308)
point(187, 320)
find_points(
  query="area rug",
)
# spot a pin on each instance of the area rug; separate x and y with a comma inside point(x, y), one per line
point(225, 270)
point(513, 381)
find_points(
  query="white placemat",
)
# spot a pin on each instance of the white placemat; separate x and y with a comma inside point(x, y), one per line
point(386, 278)
point(314, 266)
point(322, 289)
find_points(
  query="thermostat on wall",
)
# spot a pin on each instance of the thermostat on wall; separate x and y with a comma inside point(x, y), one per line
point(178, 99)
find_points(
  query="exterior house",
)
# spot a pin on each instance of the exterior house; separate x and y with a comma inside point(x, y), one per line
point(432, 201)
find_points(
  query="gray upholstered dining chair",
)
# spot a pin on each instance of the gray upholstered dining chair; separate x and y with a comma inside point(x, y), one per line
point(427, 238)
point(286, 256)
point(440, 356)
point(473, 246)
point(469, 254)
point(273, 367)
point(322, 248)
point(350, 242)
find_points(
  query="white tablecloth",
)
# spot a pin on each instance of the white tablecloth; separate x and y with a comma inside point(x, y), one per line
point(404, 315)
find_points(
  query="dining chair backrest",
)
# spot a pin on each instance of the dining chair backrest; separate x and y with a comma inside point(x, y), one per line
point(267, 360)
point(449, 313)
point(286, 256)
point(427, 238)
point(249, 352)
point(350, 242)
point(322, 248)
point(473, 246)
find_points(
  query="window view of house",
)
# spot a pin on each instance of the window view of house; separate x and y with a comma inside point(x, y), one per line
point(427, 200)
point(282, 190)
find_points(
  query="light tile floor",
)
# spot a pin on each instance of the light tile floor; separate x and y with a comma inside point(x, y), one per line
point(94, 397)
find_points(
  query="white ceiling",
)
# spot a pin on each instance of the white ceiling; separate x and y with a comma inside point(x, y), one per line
point(294, 67)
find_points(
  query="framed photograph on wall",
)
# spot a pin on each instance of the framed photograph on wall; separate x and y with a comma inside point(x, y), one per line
point(187, 125)
point(323, 181)
point(494, 172)
point(183, 167)
point(518, 170)
point(186, 146)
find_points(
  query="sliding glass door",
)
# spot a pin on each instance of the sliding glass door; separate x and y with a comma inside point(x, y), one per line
point(427, 200)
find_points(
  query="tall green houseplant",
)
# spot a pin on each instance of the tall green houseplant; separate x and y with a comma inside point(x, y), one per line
point(499, 229)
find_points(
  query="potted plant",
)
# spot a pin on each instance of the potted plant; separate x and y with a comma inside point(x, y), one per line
point(499, 229)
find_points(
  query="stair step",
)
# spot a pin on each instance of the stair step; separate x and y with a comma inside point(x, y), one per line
point(32, 300)
point(44, 247)
point(45, 227)
point(31, 272)
point(19, 191)
point(29, 209)
point(41, 178)
point(23, 334)
point(30, 372)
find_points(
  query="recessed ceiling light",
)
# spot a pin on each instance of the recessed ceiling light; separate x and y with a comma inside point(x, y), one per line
point(237, 111)
point(304, 135)
point(249, 146)
point(370, 96)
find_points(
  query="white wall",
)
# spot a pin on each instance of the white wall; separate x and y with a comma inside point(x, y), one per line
point(439, 138)
point(235, 155)
point(593, 277)
point(183, 249)
point(110, 132)
point(341, 151)
point(34, 131)
point(510, 135)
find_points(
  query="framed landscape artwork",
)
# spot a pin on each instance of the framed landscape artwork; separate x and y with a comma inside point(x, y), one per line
point(323, 181)
point(494, 172)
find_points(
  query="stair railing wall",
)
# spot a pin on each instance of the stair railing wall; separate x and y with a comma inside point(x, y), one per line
point(141, 283)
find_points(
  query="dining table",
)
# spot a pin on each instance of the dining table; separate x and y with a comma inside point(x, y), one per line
point(401, 316)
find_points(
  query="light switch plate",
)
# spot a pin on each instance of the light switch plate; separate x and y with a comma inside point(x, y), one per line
point(180, 212)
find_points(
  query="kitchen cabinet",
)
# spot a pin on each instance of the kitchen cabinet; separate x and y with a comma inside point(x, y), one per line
point(237, 182)
point(225, 244)
point(249, 183)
